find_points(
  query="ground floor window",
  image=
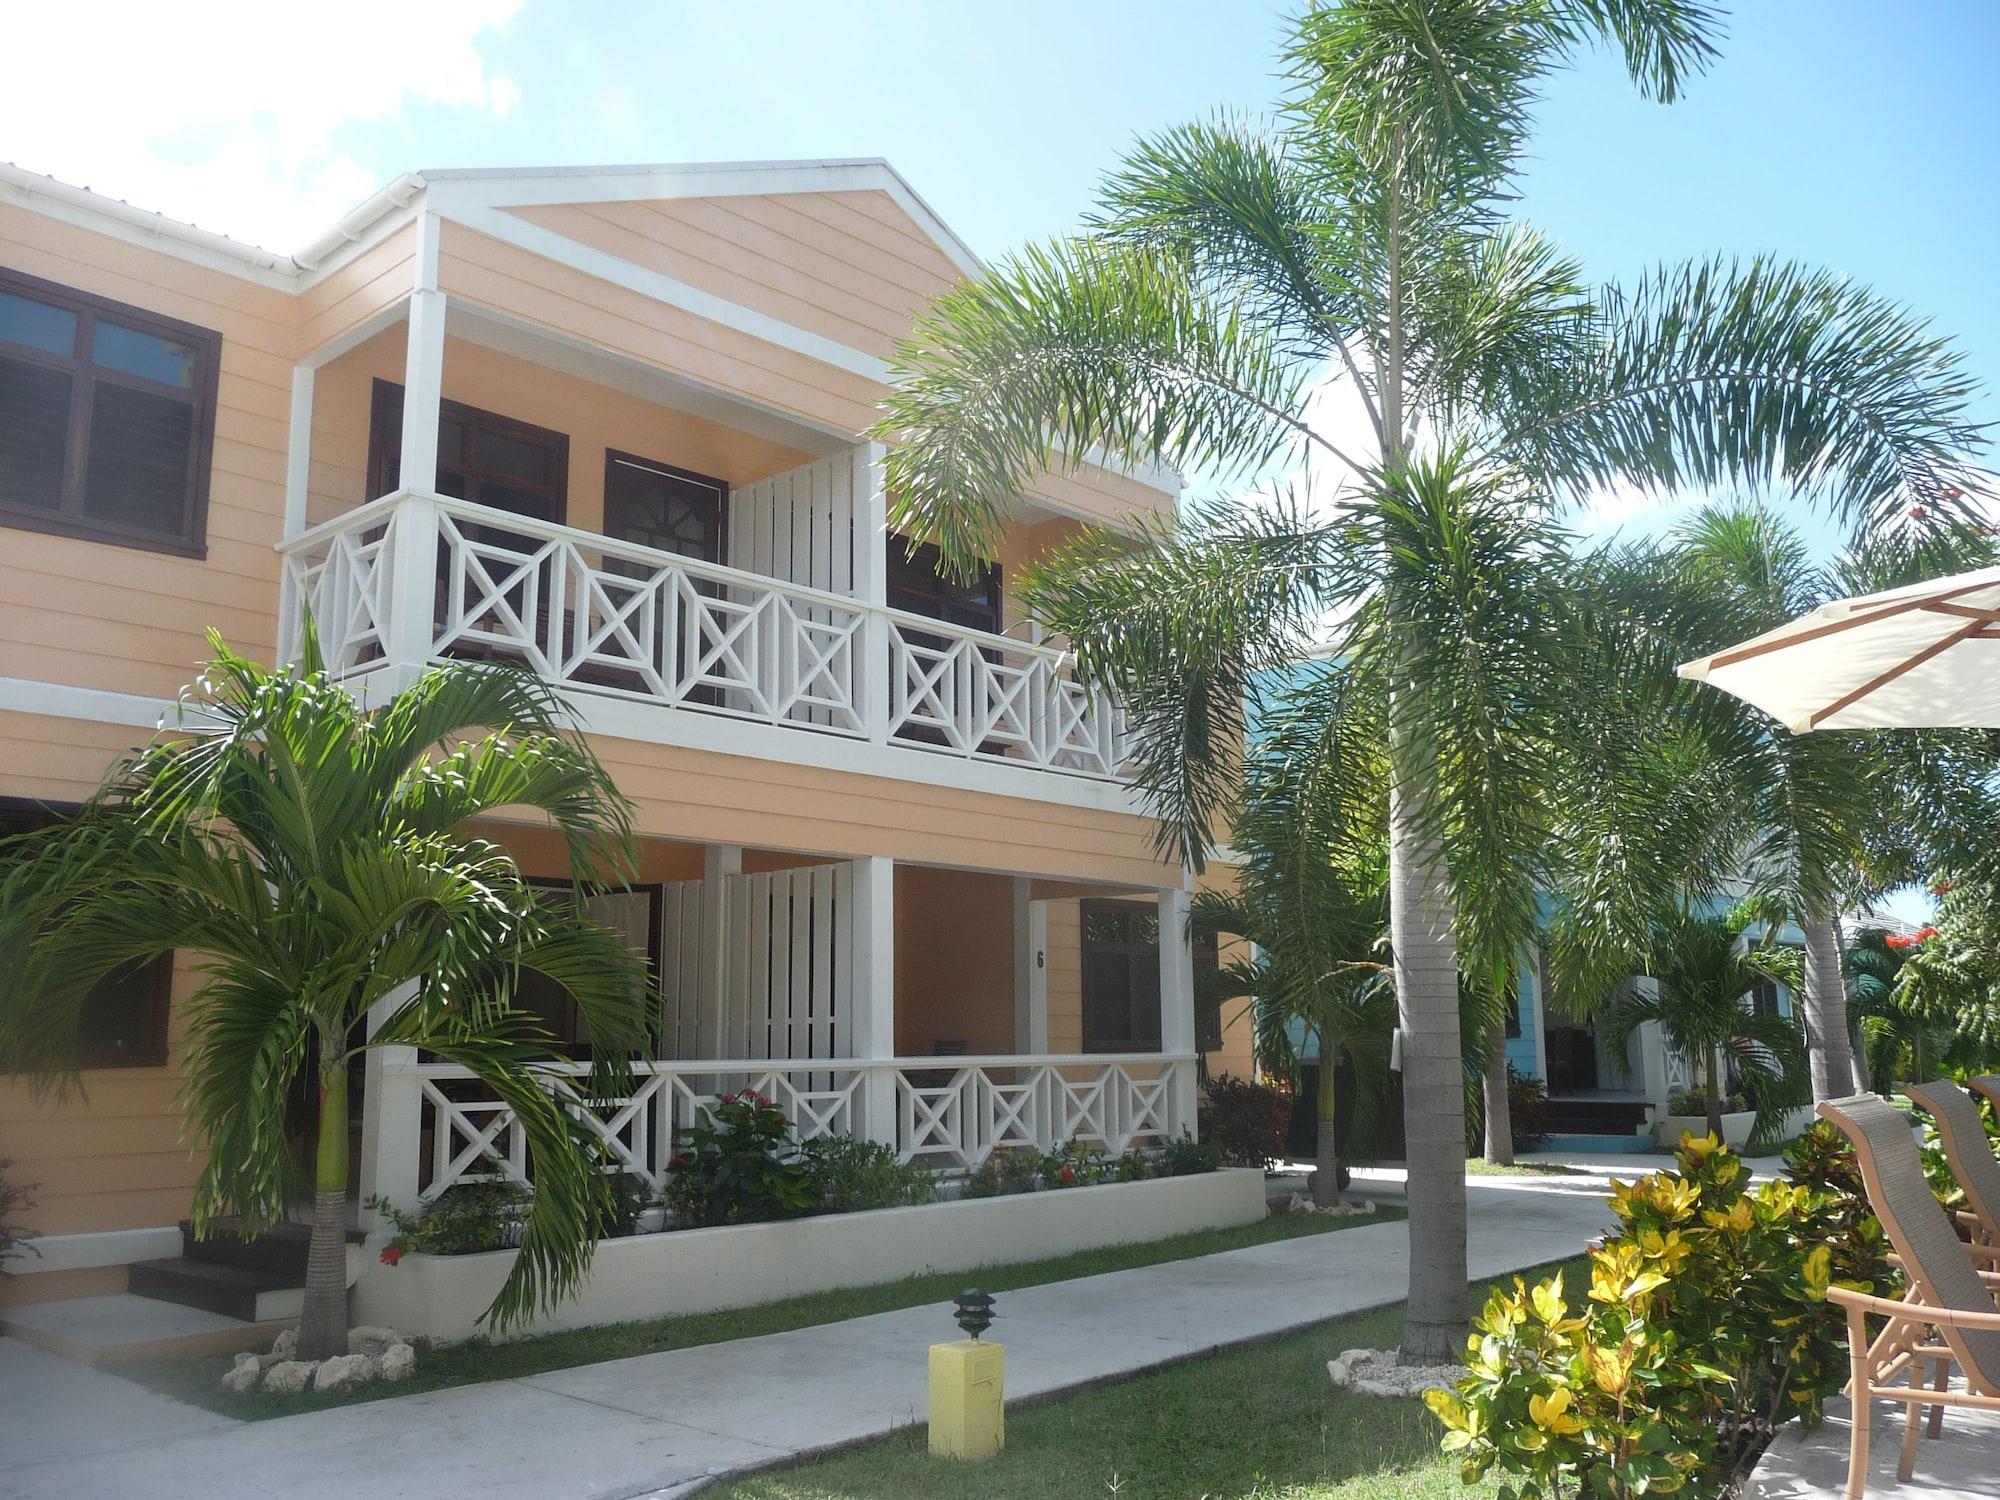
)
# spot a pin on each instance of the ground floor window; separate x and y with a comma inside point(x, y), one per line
point(634, 915)
point(123, 1023)
point(1121, 977)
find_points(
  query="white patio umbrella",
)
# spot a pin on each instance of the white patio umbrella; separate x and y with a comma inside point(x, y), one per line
point(1922, 657)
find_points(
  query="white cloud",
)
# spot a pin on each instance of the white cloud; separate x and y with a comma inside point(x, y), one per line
point(227, 113)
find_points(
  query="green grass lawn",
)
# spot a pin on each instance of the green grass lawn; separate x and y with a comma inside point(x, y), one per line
point(1479, 1166)
point(1255, 1424)
point(196, 1379)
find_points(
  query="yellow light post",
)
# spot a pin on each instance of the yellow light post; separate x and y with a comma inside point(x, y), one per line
point(968, 1386)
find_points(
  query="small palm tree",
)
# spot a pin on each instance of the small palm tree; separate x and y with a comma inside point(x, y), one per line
point(316, 855)
point(1703, 974)
point(1313, 900)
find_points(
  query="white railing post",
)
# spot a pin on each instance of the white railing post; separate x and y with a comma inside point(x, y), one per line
point(1177, 1027)
point(391, 1116)
point(873, 667)
point(872, 954)
point(716, 1035)
point(1031, 979)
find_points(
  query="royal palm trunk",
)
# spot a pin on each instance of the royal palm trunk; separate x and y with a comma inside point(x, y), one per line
point(1825, 1006)
point(1426, 956)
point(323, 1322)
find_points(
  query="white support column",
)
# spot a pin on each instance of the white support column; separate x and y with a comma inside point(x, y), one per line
point(414, 567)
point(718, 1026)
point(871, 588)
point(392, 1111)
point(423, 367)
point(872, 955)
point(1177, 1028)
point(1031, 975)
point(298, 477)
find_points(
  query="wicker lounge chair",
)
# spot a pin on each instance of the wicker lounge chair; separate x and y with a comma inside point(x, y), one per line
point(1963, 1135)
point(1946, 1293)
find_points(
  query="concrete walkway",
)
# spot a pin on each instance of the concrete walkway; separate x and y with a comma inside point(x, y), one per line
point(1963, 1460)
point(665, 1424)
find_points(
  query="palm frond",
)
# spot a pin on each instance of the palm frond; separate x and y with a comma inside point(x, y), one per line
point(1755, 372)
point(1056, 351)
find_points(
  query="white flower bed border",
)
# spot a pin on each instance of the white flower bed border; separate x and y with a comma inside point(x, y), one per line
point(441, 1297)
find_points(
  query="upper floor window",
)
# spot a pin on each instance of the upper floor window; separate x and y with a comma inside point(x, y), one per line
point(920, 584)
point(107, 416)
point(482, 456)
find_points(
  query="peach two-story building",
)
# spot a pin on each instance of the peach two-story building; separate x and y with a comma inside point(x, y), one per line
point(608, 423)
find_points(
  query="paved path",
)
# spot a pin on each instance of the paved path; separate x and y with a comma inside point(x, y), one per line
point(664, 1424)
point(1964, 1460)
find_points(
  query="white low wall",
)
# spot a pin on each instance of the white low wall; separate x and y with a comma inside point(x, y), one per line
point(1736, 1126)
point(441, 1297)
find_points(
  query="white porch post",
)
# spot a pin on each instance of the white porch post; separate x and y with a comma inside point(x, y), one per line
point(871, 588)
point(1177, 1028)
point(298, 479)
point(392, 1114)
point(1031, 978)
point(872, 956)
point(412, 626)
point(718, 1027)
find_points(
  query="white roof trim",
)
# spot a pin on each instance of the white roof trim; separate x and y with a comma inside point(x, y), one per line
point(510, 187)
point(478, 197)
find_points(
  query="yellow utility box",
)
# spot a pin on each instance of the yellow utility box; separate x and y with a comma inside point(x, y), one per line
point(968, 1400)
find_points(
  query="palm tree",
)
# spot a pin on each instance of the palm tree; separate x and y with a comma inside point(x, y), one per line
point(1239, 266)
point(1702, 975)
point(1894, 1041)
point(1820, 821)
point(1312, 898)
point(318, 856)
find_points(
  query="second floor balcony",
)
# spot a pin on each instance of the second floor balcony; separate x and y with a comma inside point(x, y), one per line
point(419, 577)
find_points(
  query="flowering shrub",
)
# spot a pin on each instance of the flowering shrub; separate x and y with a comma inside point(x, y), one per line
point(1249, 1121)
point(1902, 943)
point(1005, 1171)
point(1643, 1388)
point(849, 1174)
point(740, 1166)
point(1076, 1164)
point(462, 1220)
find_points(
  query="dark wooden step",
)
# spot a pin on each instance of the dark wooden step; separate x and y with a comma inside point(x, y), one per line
point(232, 1291)
point(281, 1250)
point(1596, 1116)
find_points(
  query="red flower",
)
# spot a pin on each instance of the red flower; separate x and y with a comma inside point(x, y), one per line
point(679, 1163)
point(1898, 942)
point(1939, 888)
point(1927, 934)
point(1066, 1176)
point(1918, 512)
point(391, 1254)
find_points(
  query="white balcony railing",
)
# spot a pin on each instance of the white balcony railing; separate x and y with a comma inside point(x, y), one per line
point(605, 616)
point(951, 1113)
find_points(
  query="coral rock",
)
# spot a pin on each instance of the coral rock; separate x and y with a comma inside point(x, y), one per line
point(286, 1344)
point(399, 1362)
point(244, 1374)
point(345, 1371)
point(289, 1377)
point(367, 1339)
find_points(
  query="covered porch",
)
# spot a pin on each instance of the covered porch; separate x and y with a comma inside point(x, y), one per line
point(947, 1013)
